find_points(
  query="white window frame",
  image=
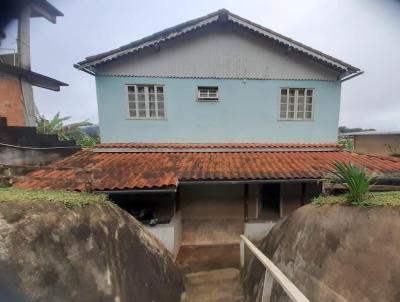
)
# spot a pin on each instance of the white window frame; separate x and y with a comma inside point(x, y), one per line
point(147, 106)
point(208, 98)
point(295, 118)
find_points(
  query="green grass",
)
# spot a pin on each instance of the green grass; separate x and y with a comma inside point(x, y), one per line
point(67, 198)
point(389, 199)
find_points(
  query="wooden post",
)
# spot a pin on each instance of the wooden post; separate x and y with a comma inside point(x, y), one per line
point(302, 192)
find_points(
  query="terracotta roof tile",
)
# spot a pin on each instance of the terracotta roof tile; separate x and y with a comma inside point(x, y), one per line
point(157, 169)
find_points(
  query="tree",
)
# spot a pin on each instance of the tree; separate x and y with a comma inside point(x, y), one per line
point(72, 131)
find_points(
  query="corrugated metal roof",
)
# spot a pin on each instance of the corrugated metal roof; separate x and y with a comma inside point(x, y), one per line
point(149, 170)
point(371, 133)
point(222, 15)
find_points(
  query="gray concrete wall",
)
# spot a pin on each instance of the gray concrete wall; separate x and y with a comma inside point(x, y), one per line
point(290, 197)
point(215, 213)
point(212, 201)
point(254, 201)
point(256, 231)
point(377, 144)
point(170, 234)
point(16, 156)
point(211, 213)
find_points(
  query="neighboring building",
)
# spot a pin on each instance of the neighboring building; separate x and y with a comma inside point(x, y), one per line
point(217, 127)
point(376, 142)
point(16, 78)
point(21, 147)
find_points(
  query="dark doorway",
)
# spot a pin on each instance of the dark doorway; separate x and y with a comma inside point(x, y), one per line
point(271, 201)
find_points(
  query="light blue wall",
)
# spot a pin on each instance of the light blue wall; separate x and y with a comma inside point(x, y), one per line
point(246, 112)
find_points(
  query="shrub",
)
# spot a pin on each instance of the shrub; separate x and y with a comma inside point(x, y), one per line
point(356, 180)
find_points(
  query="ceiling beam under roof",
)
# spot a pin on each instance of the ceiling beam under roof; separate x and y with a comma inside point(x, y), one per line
point(46, 10)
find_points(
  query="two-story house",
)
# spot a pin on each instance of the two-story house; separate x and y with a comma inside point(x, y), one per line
point(217, 126)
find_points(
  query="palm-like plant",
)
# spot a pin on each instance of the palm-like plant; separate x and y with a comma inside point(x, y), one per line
point(65, 132)
point(356, 180)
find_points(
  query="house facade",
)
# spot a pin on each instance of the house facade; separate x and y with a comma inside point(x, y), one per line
point(210, 129)
point(178, 85)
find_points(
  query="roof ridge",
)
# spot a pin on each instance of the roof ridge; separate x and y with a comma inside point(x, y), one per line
point(223, 16)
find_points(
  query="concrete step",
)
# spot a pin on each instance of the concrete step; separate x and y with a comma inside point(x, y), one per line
point(197, 258)
point(214, 276)
point(223, 285)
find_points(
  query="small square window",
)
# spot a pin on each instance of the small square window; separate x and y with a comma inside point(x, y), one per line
point(207, 93)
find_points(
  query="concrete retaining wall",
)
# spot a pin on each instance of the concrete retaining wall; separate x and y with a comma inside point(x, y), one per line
point(170, 234)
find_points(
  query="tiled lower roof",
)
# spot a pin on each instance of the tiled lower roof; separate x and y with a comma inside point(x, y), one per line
point(124, 170)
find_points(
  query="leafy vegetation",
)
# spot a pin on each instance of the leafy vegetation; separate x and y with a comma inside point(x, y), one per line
point(72, 131)
point(347, 144)
point(67, 198)
point(391, 199)
point(355, 179)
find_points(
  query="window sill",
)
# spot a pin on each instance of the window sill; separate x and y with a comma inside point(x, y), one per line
point(293, 120)
point(207, 100)
point(146, 119)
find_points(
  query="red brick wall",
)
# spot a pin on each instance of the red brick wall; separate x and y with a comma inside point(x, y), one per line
point(11, 102)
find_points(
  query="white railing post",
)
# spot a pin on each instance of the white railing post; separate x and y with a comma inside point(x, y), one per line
point(272, 270)
point(241, 254)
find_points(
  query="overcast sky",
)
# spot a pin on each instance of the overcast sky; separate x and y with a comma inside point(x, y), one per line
point(364, 33)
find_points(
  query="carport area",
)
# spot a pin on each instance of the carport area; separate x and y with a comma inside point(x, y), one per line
point(214, 215)
point(200, 222)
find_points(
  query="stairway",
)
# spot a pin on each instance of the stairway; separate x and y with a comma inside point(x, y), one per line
point(196, 258)
point(221, 285)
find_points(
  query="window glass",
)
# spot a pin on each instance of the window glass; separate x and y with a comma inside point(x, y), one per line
point(146, 101)
point(296, 104)
point(207, 93)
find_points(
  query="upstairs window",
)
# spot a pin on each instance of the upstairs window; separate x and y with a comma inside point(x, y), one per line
point(146, 102)
point(207, 93)
point(296, 104)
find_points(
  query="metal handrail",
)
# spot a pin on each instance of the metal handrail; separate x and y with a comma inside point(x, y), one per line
point(290, 289)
